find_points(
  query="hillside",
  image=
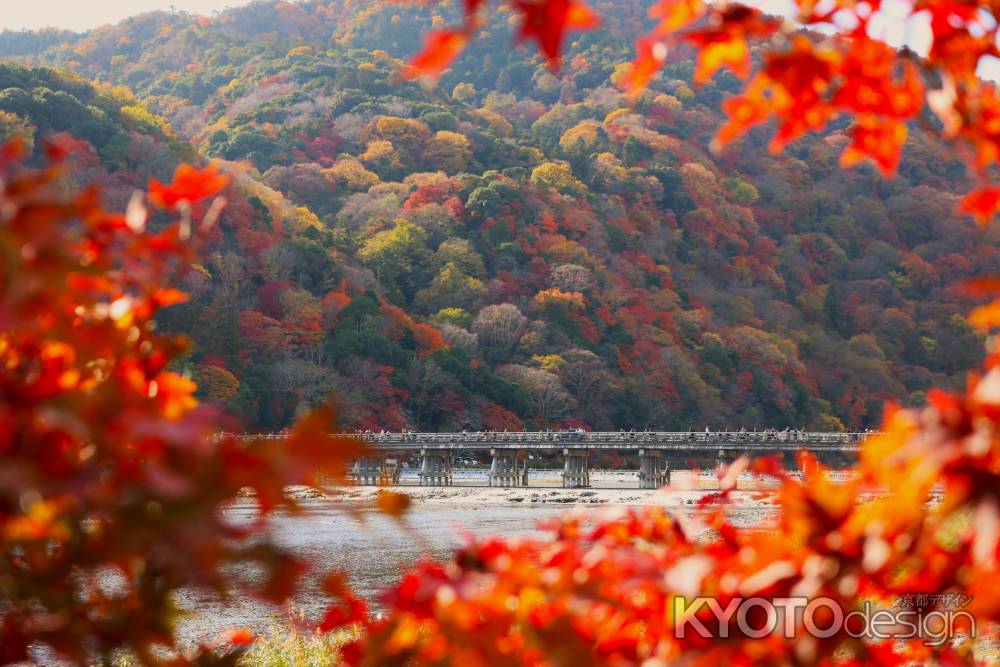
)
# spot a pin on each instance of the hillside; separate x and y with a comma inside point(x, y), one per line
point(514, 246)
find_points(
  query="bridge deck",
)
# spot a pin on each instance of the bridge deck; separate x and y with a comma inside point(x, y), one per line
point(437, 451)
point(625, 441)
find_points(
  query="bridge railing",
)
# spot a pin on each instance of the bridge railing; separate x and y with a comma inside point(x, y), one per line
point(626, 438)
point(603, 439)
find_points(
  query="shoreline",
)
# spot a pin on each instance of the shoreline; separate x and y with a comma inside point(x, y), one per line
point(609, 488)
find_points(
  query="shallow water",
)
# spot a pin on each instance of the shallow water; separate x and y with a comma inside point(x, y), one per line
point(373, 551)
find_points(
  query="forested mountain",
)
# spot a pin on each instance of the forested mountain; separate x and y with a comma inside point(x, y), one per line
point(516, 245)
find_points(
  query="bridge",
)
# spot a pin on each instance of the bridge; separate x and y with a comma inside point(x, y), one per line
point(509, 465)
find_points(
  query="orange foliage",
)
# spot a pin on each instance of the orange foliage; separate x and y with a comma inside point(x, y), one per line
point(109, 462)
point(189, 185)
point(555, 297)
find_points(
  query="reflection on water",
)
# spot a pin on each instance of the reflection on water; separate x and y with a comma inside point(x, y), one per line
point(373, 552)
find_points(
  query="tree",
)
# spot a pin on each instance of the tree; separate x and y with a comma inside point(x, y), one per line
point(549, 400)
point(587, 377)
point(460, 253)
point(581, 137)
point(15, 128)
point(215, 384)
point(571, 277)
point(463, 92)
point(450, 288)
point(448, 151)
point(558, 176)
point(500, 326)
point(556, 299)
point(456, 335)
point(397, 255)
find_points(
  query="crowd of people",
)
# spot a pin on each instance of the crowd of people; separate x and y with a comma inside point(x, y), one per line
point(577, 434)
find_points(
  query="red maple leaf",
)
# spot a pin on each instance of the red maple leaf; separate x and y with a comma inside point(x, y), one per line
point(547, 22)
point(880, 139)
point(441, 47)
point(190, 184)
point(982, 203)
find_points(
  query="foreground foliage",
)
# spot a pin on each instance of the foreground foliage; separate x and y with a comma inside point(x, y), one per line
point(113, 480)
point(606, 592)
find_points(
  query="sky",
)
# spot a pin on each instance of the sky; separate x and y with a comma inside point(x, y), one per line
point(85, 14)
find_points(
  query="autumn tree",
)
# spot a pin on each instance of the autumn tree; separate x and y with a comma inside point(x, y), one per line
point(550, 401)
point(500, 327)
point(397, 255)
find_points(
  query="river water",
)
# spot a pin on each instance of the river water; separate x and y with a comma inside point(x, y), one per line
point(373, 551)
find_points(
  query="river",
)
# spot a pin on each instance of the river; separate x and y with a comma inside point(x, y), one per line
point(373, 550)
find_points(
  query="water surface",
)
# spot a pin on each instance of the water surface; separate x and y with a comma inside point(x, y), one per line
point(373, 551)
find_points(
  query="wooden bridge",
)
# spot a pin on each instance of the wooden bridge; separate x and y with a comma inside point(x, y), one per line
point(509, 466)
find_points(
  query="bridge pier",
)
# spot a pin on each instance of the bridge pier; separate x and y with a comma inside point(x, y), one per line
point(375, 471)
point(504, 469)
point(576, 473)
point(435, 467)
point(723, 458)
point(654, 469)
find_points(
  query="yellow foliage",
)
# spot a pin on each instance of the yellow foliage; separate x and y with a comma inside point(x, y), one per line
point(610, 118)
point(666, 101)
point(200, 268)
point(533, 154)
point(548, 362)
point(621, 69)
point(378, 151)
point(215, 384)
point(556, 175)
point(402, 130)
point(463, 92)
point(303, 218)
point(229, 87)
point(350, 173)
point(142, 117)
point(304, 50)
point(456, 316)
point(586, 132)
point(556, 297)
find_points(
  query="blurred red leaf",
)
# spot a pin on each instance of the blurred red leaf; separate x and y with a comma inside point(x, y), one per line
point(190, 185)
point(548, 21)
point(393, 504)
point(441, 47)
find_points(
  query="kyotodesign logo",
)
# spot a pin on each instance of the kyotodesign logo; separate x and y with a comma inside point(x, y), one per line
point(936, 619)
